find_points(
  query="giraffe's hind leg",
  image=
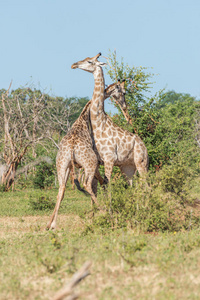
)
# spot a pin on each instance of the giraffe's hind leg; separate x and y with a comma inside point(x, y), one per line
point(89, 177)
point(81, 175)
point(94, 186)
point(90, 165)
point(141, 158)
point(60, 196)
point(98, 177)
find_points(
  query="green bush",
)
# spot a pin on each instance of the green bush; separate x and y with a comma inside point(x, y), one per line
point(41, 203)
point(158, 202)
point(44, 175)
point(2, 187)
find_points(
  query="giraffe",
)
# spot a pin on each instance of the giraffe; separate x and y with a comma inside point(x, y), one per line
point(76, 149)
point(115, 91)
point(115, 146)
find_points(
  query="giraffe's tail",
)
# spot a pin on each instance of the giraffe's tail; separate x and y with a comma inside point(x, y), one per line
point(73, 166)
point(77, 183)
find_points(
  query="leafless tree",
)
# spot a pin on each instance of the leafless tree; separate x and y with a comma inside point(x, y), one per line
point(29, 117)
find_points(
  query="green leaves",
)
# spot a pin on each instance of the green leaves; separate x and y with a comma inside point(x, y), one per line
point(165, 121)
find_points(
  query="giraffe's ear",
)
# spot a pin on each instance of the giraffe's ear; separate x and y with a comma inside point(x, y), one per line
point(101, 64)
point(123, 83)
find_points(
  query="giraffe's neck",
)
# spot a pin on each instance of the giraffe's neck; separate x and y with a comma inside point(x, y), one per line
point(84, 114)
point(97, 102)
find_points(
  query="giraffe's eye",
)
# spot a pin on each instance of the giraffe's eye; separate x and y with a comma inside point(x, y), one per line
point(90, 62)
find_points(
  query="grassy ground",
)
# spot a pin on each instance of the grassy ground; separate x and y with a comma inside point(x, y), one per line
point(35, 263)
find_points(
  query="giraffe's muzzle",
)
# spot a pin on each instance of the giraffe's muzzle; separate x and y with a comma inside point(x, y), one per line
point(74, 66)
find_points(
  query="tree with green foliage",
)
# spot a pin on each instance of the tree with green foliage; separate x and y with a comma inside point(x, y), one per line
point(166, 121)
point(172, 97)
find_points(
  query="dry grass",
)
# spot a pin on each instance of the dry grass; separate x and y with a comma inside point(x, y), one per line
point(20, 225)
point(36, 263)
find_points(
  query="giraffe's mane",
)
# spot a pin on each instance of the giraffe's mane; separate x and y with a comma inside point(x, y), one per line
point(85, 109)
point(74, 130)
point(89, 102)
point(110, 87)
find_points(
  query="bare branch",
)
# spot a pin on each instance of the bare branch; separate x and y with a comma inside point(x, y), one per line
point(30, 117)
point(68, 289)
point(50, 138)
point(114, 69)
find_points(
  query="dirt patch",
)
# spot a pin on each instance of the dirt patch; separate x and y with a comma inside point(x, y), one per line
point(20, 225)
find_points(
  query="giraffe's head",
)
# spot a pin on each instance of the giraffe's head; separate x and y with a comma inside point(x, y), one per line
point(117, 91)
point(89, 64)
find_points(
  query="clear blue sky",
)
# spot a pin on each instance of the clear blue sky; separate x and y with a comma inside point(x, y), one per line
point(40, 39)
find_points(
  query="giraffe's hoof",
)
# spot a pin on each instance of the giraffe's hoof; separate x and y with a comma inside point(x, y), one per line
point(51, 226)
point(48, 226)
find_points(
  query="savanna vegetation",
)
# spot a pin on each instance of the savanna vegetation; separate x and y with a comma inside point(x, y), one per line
point(144, 243)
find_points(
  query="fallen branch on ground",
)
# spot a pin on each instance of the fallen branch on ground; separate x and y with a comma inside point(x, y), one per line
point(77, 277)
